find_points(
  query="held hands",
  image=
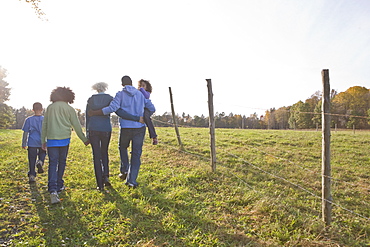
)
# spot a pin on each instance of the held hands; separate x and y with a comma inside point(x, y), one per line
point(44, 146)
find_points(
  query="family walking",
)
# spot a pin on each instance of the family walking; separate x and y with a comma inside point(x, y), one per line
point(51, 133)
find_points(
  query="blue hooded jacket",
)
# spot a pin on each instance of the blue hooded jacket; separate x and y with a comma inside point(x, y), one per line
point(132, 101)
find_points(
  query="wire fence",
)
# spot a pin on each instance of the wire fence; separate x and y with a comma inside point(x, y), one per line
point(258, 168)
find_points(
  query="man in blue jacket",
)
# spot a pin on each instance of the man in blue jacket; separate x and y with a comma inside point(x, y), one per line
point(133, 102)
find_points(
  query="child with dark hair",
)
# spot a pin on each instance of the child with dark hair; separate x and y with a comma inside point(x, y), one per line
point(146, 89)
point(32, 139)
point(59, 120)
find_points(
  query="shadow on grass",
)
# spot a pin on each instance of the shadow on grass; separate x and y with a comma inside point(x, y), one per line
point(61, 224)
point(160, 221)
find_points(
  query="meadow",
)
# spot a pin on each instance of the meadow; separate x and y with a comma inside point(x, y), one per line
point(266, 191)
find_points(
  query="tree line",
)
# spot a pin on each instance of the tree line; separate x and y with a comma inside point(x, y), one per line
point(349, 109)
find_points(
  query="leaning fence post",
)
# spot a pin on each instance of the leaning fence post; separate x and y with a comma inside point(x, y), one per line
point(326, 169)
point(211, 125)
point(174, 121)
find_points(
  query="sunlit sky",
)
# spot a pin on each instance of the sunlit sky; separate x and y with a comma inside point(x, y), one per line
point(259, 54)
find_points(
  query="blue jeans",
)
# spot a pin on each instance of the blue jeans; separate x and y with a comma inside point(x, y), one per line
point(99, 141)
point(57, 165)
point(35, 153)
point(136, 138)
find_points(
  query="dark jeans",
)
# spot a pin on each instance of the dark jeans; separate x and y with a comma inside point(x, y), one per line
point(33, 155)
point(57, 165)
point(135, 136)
point(149, 123)
point(99, 141)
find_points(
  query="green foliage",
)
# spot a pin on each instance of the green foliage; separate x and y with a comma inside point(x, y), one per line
point(4, 89)
point(180, 202)
point(6, 116)
point(6, 112)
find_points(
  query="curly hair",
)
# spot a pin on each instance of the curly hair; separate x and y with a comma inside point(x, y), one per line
point(148, 87)
point(100, 87)
point(62, 94)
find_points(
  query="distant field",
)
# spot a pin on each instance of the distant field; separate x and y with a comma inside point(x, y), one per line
point(266, 191)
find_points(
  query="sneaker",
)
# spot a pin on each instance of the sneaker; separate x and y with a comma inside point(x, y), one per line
point(32, 179)
point(54, 198)
point(122, 176)
point(131, 186)
point(155, 141)
point(39, 165)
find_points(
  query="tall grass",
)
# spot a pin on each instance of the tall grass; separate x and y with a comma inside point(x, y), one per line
point(265, 192)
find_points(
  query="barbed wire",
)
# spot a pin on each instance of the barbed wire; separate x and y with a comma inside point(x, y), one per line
point(273, 175)
point(300, 187)
point(302, 167)
point(293, 163)
point(293, 111)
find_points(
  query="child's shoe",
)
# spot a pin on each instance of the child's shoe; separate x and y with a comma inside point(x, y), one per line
point(32, 178)
point(54, 198)
point(39, 165)
point(155, 141)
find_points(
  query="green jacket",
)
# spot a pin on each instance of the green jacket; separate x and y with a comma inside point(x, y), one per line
point(59, 119)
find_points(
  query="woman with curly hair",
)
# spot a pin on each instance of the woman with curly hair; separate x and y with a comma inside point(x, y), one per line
point(59, 119)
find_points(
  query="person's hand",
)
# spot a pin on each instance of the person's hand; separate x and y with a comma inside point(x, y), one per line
point(24, 147)
point(87, 142)
point(141, 120)
point(44, 146)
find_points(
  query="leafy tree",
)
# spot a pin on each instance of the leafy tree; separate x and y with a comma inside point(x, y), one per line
point(282, 117)
point(269, 119)
point(20, 117)
point(6, 112)
point(81, 117)
point(300, 116)
point(35, 5)
point(351, 107)
point(4, 90)
point(252, 122)
point(6, 116)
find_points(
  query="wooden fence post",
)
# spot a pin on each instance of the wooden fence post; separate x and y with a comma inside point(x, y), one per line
point(211, 125)
point(175, 122)
point(326, 169)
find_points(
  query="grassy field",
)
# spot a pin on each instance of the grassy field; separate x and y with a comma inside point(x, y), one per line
point(266, 191)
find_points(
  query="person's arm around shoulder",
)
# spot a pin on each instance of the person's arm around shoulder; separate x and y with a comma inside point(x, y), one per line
point(128, 116)
point(114, 105)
